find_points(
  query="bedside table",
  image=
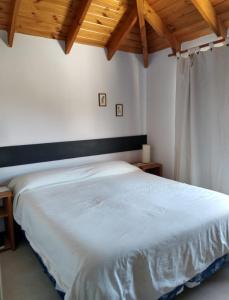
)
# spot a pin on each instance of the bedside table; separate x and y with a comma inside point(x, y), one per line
point(151, 167)
point(6, 213)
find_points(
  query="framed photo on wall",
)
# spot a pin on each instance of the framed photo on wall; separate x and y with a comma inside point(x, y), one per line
point(119, 110)
point(102, 99)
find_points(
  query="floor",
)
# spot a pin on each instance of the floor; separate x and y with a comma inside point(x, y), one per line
point(23, 279)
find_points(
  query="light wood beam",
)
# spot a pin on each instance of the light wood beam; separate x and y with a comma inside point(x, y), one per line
point(161, 29)
point(13, 19)
point(141, 19)
point(76, 25)
point(208, 13)
point(121, 31)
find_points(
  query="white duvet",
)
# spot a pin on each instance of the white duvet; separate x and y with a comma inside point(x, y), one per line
point(110, 231)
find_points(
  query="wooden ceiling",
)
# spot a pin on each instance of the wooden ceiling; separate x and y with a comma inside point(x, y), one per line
point(138, 26)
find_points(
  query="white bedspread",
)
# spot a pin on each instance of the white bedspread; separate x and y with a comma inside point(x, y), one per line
point(110, 231)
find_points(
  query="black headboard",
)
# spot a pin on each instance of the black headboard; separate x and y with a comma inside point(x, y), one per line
point(28, 154)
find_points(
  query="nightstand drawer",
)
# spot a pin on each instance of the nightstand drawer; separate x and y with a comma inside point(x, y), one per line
point(152, 168)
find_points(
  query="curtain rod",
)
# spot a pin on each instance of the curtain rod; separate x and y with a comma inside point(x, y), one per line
point(201, 46)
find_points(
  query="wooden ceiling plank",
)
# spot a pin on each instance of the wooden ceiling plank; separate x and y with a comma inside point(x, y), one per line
point(77, 22)
point(13, 19)
point(121, 31)
point(208, 13)
point(142, 25)
point(158, 25)
point(54, 19)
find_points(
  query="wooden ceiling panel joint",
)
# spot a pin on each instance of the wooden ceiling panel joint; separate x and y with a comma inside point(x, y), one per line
point(13, 21)
point(159, 26)
point(207, 11)
point(77, 23)
point(142, 26)
point(121, 31)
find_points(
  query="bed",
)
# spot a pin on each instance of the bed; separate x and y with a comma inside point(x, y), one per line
point(111, 231)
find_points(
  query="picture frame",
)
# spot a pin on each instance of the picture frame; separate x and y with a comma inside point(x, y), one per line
point(119, 110)
point(102, 99)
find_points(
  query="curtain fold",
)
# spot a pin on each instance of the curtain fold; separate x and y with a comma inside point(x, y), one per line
point(202, 120)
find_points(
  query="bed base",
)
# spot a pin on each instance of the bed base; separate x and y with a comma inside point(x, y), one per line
point(60, 293)
point(199, 278)
point(195, 281)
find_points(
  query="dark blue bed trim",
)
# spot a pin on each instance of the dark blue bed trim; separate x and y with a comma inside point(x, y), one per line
point(198, 279)
point(61, 294)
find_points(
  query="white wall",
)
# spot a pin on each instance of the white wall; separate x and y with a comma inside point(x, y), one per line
point(161, 93)
point(161, 84)
point(46, 96)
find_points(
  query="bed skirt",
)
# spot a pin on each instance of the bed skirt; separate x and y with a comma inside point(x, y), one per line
point(195, 281)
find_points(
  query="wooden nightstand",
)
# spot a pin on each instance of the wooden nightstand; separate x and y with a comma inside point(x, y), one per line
point(6, 213)
point(152, 168)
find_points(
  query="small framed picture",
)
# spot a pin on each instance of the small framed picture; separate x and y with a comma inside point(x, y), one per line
point(119, 110)
point(102, 99)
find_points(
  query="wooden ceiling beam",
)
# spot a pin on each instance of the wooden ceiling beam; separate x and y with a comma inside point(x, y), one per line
point(77, 23)
point(208, 13)
point(121, 31)
point(141, 19)
point(13, 19)
point(158, 25)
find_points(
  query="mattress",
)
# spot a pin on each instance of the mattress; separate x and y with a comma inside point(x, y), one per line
point(111, 231)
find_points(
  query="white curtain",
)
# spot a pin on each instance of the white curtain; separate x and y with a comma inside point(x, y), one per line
point(202, 120)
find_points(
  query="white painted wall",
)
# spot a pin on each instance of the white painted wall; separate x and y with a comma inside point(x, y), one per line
point(46, 96)
point(161, 93)
point(161, 84)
